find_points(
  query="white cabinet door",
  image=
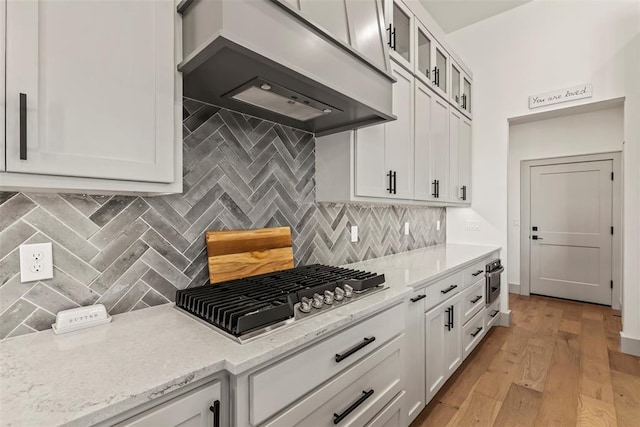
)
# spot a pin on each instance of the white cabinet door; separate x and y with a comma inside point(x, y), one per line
point(464, 164)
point(440, 72)
point(422, 134)
point(436, 329)
point(400, 22)
point(465, 100)
point(439, 140)
point(98, 77)
point(415, 357)
point(399, 135)
point(199, 408)
point(370, 175)
point(3, 39)
point(453, 337)
point(454, 158)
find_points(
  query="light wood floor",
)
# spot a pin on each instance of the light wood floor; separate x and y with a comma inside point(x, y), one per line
point(559, 364)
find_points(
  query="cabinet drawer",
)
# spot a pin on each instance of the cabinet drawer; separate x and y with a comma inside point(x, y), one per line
point(473, 332)
point(473, 273)
point(473, 300)
point(442, 290)
point(392, 415)
point(313, 366)
point(492, 314)
point(355, 396)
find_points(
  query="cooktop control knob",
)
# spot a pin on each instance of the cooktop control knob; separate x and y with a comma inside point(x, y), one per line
point(305, 305)
point(339, 294)
point(348, 291)
point(328, 297)
point(317, 301)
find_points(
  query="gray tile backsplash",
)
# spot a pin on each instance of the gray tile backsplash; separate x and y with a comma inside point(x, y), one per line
point(130, 253)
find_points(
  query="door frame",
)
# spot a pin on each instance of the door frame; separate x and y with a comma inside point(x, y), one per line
point(616, 216)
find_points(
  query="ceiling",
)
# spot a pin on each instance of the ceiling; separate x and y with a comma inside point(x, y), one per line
point(452, 15)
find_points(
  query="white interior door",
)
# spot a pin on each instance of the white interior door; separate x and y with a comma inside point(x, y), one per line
point(571, 241)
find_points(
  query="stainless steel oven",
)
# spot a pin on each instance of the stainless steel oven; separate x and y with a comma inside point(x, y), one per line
point(493, 271)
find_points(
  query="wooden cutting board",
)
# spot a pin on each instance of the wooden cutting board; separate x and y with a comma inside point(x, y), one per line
point(235, 254)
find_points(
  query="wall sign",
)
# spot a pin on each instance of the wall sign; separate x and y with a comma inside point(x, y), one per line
point(563, 95)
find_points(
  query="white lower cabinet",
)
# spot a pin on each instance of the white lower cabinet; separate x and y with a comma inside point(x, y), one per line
point(492, 314)
point(443, 343)
point(199, 408)
point(414, 357)
point(473, 332)
point(354, 397)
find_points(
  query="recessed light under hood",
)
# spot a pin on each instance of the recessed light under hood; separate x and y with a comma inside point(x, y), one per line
point(234, 49)
point(280, 100)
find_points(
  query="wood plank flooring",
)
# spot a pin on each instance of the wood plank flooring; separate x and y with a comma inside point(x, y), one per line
point(559, 364)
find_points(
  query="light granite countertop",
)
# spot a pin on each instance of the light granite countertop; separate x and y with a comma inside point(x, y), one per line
point(89, 376)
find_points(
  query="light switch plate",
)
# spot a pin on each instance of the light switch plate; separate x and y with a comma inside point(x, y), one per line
point(36, 262)
point(354, 233)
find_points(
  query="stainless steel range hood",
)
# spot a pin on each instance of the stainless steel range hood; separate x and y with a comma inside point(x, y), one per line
point(270, 60)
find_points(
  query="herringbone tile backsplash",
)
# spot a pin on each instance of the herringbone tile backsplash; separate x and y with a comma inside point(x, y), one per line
point(134, 252)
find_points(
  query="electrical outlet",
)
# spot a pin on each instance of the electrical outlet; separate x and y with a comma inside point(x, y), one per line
point(406, 228)
point(354, 233)
point(438, 225)
point(36, 262)
point(472, 226)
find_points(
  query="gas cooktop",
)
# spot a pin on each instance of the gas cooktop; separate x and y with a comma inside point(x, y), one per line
point(250, 307)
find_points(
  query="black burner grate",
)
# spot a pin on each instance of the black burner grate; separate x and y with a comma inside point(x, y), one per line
point(243, 305)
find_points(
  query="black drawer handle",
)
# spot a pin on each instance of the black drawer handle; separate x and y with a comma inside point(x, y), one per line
point(494, 313)
point(365, 395)
point(476, 299)
point(23, 126)
point(478, 330)
point(449, 289)
point(215, 408)
point(418, 298)
point(477, 273)
point(363, 344)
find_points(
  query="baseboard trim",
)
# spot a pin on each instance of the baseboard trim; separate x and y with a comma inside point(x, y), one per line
point(504, 319)
point(629, 345)
point(514, 288)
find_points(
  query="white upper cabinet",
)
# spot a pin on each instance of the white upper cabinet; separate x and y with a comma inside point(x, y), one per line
point(460, 89)
point(3, 9)
point(98, 82)
point(400, 32)
point(384, 153)
point(424, 54)
point(439, 149)
point(459, 157)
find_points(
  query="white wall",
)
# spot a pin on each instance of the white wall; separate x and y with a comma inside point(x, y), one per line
point(585, 133)
point(535, 48)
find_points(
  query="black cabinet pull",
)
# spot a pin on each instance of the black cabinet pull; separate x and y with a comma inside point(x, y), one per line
point(449, 289)
point(452, 316)
point(395, 183)
point(477, 273)
point(23, 126)
point(435, 193)
point(393, 37)
point(435, 75)
point(389, 31)
point(464, 192)
point(418, 298)
point(493, 313)
point(390, 176)
point(437, 188)
point(363, 344)
point(477, 331)
point(448, 324)
point(476, 299)
point(215, 408)
point(365, 395)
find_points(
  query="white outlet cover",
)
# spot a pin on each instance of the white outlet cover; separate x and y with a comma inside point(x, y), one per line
point(406, 228)
point(36, 262)
point(354, 233)
point(438, 225)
